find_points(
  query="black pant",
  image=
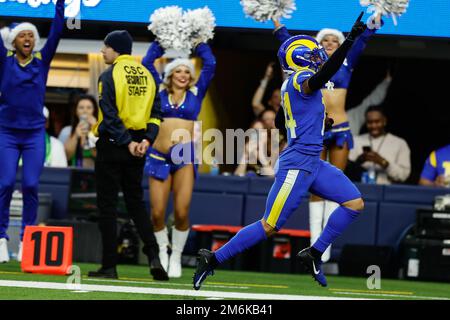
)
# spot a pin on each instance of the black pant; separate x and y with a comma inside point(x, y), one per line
point(116, 168)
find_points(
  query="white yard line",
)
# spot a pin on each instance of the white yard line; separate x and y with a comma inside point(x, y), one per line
point(157, 291)
point(163, 283)
point(390, 295)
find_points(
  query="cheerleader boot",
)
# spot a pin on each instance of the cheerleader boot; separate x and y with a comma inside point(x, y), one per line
point(4, 255)
point(178, 241)
point(19, 254)
point(162, 238)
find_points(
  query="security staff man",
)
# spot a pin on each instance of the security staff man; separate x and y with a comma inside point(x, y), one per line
point(129, 119)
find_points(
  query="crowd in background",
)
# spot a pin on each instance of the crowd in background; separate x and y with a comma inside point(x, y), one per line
point(378, 156)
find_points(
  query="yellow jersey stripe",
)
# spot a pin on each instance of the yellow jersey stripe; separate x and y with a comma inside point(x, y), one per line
point(433, 160)
point(446, 166)
point(157, 157)
point(295, 83)
point(281, 198)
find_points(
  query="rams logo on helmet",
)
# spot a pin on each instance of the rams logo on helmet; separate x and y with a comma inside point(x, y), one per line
point(299, 52)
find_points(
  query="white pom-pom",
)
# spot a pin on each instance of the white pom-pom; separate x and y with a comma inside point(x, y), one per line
point(199, 25)
point(179, 32)
point(393, 8)
point(5, 35)
point(166, 25)
point(263, 10)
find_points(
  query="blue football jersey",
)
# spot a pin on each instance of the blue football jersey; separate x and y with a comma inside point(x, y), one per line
point(304, 114)
point(437, 164)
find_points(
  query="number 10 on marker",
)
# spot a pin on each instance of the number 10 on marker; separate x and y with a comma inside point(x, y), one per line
point(47, 250)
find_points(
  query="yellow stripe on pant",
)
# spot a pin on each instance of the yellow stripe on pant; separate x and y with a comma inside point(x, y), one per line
point(281, 198)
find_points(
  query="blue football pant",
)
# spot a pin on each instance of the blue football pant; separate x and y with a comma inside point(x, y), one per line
point(290, 186)
point(30, 144)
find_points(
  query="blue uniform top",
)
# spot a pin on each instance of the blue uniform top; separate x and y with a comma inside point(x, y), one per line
point(190, 107)
point(22, 87)
point(341, 79)
point(437, 164)
point(304, 113)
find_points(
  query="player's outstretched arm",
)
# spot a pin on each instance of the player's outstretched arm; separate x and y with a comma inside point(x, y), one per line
point(333, 64)
point(360, 44)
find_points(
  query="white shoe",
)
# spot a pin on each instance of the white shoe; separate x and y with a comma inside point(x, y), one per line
point(4, 254)
point(19, 254)
point(162, 238)
point(178, 241)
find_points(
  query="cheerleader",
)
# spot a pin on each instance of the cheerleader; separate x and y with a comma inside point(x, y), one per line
point(22, 123)
point(169, 163)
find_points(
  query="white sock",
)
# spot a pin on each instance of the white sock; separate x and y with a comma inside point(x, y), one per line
point(330, 206)
point(162, 238)
point(4, 254)
point(19, 254)
point(316, 213)
point(179, 239)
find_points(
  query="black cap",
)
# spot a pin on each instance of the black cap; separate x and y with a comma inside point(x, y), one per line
point(120, 40)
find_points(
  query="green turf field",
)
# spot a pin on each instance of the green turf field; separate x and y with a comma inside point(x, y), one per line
point(136, 284)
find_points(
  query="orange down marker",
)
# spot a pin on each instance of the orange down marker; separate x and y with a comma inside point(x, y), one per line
point(47, 250)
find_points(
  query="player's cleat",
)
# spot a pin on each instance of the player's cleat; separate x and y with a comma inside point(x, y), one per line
point(206, 262)
point(4, 254)
point(157, 270)
point(107, 273)
point(314, 266)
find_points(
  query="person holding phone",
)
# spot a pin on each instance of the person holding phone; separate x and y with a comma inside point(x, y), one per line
point(79, 141)
point(382, 152)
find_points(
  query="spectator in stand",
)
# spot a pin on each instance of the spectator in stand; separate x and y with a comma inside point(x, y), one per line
point(79, 141)
point(274, 102)
point(380, 151)
point(259, 157)
point(357, 115)
point(250, 163)
point(55, 155)
point(267, 118)
point(436, 170)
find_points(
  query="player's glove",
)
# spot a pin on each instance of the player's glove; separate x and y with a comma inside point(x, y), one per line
point(358, 28)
